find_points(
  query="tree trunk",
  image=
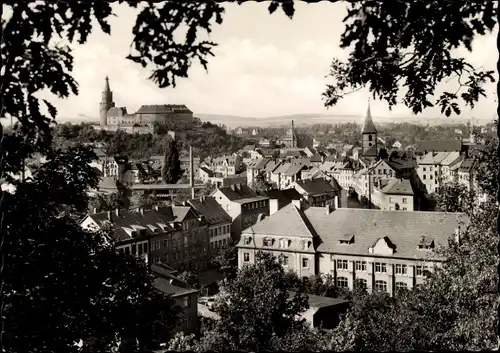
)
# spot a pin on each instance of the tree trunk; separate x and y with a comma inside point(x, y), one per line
point(498, 154)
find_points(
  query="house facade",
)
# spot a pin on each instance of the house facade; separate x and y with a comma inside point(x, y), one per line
point(381, 250)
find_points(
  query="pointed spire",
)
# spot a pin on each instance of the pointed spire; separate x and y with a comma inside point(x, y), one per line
point(106, 85)
point(368, 126)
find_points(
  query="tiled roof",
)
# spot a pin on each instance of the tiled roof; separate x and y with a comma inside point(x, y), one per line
point(169, 284)
point(271, 166)
point(294, 169)
point(208, 171)
point(210, 209)
point(316, 158)
point(284, 197)
point(433, 158)
point(282, 168)
point(404, 229)
point(467, 165)
point(237, 192)
point(163, 109)
point(439, 146)
point(315, 186)
point(291, 222)
point(451, 159)
point(128, 222)
point(327, 166)
point(398, 187)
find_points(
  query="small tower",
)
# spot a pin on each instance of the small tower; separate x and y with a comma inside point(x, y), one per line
point(369, 133)
point(106, 103)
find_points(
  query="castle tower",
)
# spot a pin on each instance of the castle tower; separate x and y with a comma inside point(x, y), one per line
point(106, 103)
point(369, 133)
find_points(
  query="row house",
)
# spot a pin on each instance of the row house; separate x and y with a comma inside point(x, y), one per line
point(270, 167)
point(393, 195)
point(319, 192)
point(227, 165)
point(287, 173)
point(185, 297)
point(255, 167)
point(313, 173)
point(380, 250)
point(219, 222)
point(173, 235)
point(448, 173)
point(429, 170)
point(243, 205)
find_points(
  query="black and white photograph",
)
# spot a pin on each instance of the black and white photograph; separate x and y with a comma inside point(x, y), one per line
point(249, 176)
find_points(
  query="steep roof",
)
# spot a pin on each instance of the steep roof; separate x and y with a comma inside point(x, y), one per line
point(294, 169)
point(163, 109)
point(433, 158)
point(467, 165)
point(315, 186)
point(398, 187)
point(239, 192)
point(439, 146)
point(451, 159)
point(404, 229)
point(368, 126)
point(209, 208)
point(271, 166)
point(284, 197)
point(296, 224)
point(208, 171)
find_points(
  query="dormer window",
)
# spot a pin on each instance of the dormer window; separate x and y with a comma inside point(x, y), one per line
point(268, 242)
point(426, 243)
point(247, 240)
point(306, 244)
point(347, 239)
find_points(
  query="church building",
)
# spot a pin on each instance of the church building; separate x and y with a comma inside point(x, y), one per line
point(369, 132)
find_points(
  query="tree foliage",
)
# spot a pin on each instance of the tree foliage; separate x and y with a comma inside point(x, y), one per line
point(171, 169)
point(80, 286)
point(396, 48)
point(256, 311)
point(453, 197)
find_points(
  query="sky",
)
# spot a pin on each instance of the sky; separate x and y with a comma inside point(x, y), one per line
point(265, 65)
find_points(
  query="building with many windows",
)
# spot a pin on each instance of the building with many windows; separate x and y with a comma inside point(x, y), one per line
point(381, 250)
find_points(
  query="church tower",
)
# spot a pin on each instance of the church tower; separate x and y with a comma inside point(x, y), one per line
point(106, 103)
point(369, 133)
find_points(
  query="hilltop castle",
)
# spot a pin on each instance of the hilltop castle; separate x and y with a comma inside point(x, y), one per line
point(113, 118)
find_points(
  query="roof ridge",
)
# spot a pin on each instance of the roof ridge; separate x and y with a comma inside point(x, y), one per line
point(302, 216)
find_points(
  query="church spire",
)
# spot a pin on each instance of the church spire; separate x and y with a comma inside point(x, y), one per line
point(368, 126)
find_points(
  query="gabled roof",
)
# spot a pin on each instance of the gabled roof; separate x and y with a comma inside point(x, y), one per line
point(317, 158)
point(398, 187)
point(433, 158)
point(283, 167)
point(166, 282)
point(284, 197)
point(239, 192)
point(291, 222)
point(404, 229)
point(451, 159)
point(206, 170)
point(271, 166)
point(439, 146)
point(467, 165)
point(315, 186)
point(210, 209)
point(294, 169)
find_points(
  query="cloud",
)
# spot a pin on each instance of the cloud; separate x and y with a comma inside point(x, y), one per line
point(264, 66)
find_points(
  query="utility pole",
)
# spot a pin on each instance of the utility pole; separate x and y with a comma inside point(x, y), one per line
point(191, 172)
point(369, 189)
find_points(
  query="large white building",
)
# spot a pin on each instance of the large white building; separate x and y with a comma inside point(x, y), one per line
point(381, 250)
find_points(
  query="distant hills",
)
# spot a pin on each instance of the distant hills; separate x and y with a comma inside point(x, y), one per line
point(234, 121)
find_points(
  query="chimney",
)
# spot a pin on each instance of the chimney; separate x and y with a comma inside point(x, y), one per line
point(191, 171)
point(328, 209)
point(117, 212)
point(109, 216)
point(336, 202)
point(457, 236)
point(95, 210)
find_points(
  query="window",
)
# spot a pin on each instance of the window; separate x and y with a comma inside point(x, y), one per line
point(246, 257)
point(391, 199)
point(381, 286)
point(424, 169)
point(419, 270)
point(305, 262)
point(157, 244)
point(405, 200)
point(156, 259)
point(401, 269)
point(342, 282)
point(211, 232)
point(165, 243)
point(360, 265)
point(153, 246)
point(268, 242)
point(285, 260)
point(430, 176)
point(401, 285)
point(380, 267)
point(361, 283)
point(139, 249)
point(405, 209)
point(187, 302)
point(342, 264)
point(186, 240)
point(370, 138)
point(133, 249)
point(424, 177)
point(248, 240)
